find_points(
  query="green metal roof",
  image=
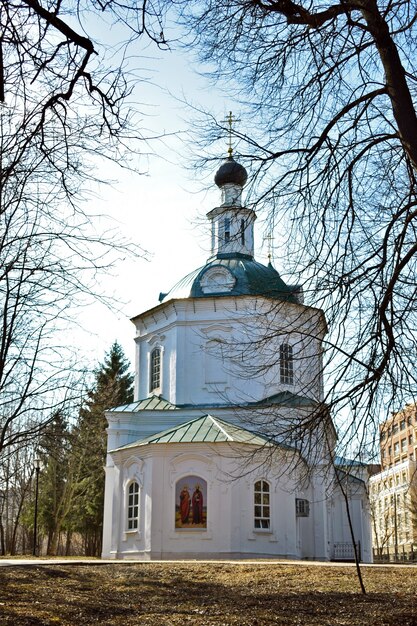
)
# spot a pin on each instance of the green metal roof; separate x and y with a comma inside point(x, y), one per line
point(154, 403)
point(205, 429)
point(252, 278)
point(347, 476)
point(286, 398)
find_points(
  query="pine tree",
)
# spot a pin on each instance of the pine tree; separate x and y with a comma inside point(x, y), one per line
point(113, 386)
point(55, 482)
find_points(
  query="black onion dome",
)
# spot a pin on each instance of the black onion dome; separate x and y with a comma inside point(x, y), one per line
point(231, 172)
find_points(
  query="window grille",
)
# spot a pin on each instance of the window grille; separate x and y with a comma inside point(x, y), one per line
point(286, 365)
point(302, 507)
point(133, 507)
point(155, 369)
point(262, 516)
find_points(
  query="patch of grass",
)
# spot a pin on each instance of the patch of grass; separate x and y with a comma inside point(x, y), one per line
point(171, 594)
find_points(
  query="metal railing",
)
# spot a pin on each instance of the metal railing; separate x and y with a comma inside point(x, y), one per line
point(344, 551)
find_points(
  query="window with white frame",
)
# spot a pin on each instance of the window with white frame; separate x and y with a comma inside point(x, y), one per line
point(133, 506)
point(286, 364)
point(155, 369)
point(262, 515)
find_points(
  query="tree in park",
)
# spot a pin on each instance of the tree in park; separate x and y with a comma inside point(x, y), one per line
point(412, 494)
point(56, 480)
point(113, 386)
point(64, 109)
point(17, 479)
point(333, 157)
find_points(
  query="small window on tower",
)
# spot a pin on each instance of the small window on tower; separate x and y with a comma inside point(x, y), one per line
point(286, 365)
point(226, 230)
point(155, 369)
point(242, 232)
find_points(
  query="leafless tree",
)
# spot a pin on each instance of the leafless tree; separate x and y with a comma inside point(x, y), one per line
point(413, 506)
point(65, 105)
point(333, 157)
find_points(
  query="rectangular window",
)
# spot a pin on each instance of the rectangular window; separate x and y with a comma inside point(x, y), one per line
point(395, 429)
point(396, 448)
point(302, 507)
point(286, 365)
point(403, 444)
point(226, 225)
point(242, 232)
point(402, 425)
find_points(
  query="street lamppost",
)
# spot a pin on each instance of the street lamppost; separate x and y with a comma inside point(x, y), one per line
point(37, 465)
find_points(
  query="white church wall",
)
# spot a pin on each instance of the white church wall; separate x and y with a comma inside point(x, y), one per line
point(340, 532)
point(188, 327)
point(230, 506)
point(109, 512)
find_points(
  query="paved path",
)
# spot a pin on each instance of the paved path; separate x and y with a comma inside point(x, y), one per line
point(35, 562)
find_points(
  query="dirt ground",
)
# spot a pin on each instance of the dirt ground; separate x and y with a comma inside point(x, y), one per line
point(165, 594)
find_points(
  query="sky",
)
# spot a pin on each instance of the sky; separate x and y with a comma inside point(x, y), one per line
point(162, 211)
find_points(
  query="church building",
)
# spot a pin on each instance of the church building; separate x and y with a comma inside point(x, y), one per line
point(228, 449)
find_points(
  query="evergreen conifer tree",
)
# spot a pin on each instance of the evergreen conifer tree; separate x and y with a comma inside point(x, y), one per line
point(54, 453)
point(113, 386)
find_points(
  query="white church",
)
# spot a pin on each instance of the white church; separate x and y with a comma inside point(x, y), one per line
point(228, 450)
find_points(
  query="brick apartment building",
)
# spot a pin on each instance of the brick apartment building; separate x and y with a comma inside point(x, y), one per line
point(394, 530)
point(398, 437)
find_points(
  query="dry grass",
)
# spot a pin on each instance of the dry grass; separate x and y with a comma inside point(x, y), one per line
point(205, 594)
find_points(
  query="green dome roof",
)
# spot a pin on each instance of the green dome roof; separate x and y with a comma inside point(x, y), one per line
point(248, 277)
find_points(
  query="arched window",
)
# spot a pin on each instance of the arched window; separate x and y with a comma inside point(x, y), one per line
point(262, 515)
point(133, 506)
point(286, 364)
point(155, 369)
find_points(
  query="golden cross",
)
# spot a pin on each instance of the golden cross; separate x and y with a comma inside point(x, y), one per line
point(230, 119)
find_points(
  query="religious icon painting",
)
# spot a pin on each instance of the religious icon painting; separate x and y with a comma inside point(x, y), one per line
point(191, 503)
